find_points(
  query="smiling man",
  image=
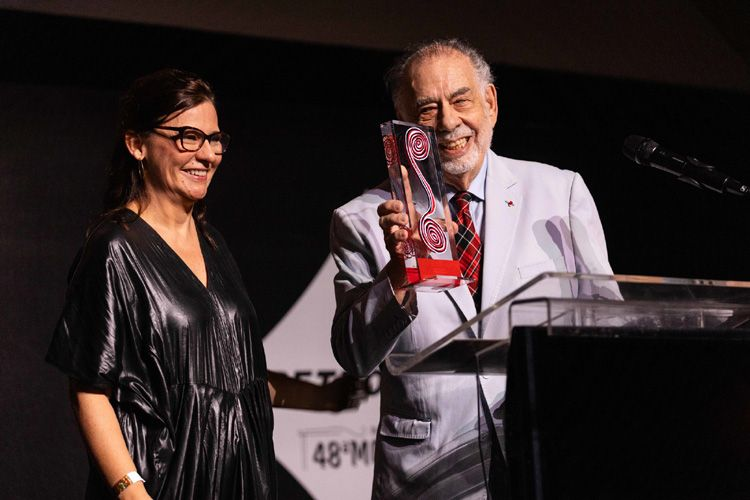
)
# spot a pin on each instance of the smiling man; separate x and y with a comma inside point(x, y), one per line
point(519, 219)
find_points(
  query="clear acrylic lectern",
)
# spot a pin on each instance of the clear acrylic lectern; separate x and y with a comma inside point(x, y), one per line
point(618, 387)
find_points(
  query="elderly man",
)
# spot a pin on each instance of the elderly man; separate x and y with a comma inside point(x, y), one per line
point(523, 218)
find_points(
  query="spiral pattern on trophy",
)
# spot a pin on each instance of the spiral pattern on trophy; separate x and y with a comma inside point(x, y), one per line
point(432, 234)
point(389, 145)
point(418, 148)
point(417, 144)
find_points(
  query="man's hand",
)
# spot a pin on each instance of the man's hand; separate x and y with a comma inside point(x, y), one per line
point(343, 393)
point(395, 225)
point(396, 234)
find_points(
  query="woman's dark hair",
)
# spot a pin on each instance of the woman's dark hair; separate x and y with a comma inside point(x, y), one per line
point(149, 102)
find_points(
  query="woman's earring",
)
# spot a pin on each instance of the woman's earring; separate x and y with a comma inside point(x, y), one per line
point(140, 168)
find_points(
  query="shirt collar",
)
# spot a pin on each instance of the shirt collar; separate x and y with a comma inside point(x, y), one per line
point(476, 188)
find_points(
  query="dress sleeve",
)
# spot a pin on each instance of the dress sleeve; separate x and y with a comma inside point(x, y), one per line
point(84, 343)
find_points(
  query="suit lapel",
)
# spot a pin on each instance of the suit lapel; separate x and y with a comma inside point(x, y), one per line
point(503, 204)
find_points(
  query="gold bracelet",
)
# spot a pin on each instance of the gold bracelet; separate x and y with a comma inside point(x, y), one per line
point(127, 480)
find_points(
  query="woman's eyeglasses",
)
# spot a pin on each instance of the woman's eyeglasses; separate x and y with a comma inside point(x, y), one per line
point(192, 139)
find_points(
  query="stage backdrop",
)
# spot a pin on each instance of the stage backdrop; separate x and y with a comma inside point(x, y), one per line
point(304, 121)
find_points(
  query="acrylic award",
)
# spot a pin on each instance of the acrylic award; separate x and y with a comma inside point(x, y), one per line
point(417, 180)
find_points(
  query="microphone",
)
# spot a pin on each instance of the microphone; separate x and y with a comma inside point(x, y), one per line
point(647, 152)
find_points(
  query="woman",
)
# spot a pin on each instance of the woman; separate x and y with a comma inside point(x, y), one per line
point(158, 336)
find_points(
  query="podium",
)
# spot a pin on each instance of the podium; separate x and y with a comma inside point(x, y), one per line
point(618, 387)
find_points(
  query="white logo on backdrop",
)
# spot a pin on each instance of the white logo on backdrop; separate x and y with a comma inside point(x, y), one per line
point(330, 454)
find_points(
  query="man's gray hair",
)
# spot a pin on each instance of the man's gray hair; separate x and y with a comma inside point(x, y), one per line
point(394, 77)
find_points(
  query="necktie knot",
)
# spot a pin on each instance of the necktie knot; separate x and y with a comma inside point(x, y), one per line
point(461, 200)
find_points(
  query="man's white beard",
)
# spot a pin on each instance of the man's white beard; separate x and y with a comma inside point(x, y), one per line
point(460, 166)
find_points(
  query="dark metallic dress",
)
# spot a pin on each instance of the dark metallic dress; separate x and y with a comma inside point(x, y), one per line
point(184, 363)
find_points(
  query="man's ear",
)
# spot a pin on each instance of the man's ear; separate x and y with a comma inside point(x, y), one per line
point(490, 97)
point(135, 145)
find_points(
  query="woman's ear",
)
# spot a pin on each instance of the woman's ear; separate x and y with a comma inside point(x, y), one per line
point(135, 145)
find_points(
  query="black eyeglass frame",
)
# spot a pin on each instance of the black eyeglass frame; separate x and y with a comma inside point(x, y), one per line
point(222, 137)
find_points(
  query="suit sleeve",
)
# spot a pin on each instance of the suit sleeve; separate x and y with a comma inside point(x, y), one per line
point(589, 244)
point(368, 319)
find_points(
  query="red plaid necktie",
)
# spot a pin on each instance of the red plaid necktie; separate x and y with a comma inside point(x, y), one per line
point(468, 244)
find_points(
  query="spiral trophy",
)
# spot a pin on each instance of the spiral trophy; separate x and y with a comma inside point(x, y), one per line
point(417, 180)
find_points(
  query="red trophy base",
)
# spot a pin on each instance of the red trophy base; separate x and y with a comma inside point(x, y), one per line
point(433, 275)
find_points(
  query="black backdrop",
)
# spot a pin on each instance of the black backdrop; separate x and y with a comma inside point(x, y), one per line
point(304, 121)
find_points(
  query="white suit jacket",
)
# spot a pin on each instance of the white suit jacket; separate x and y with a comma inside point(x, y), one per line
point(537, 218)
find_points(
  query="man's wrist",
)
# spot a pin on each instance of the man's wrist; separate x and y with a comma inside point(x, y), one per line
point(396, 273)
